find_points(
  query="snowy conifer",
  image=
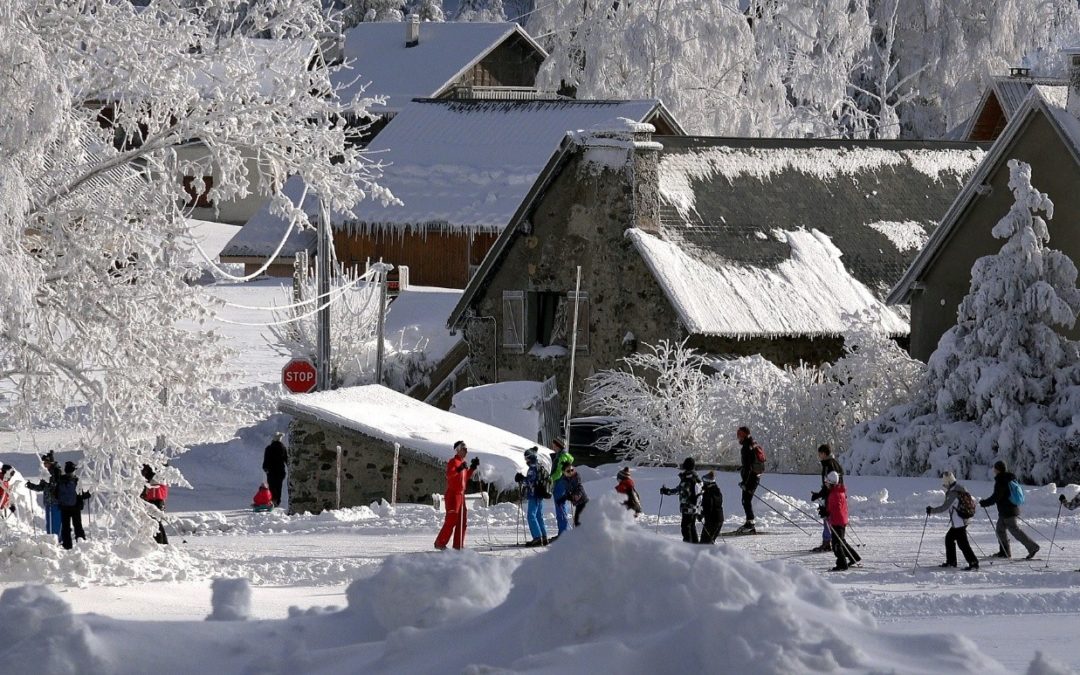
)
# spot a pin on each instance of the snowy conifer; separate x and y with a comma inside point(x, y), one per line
point(428, 10)
point(480, 10)
point(1004, 383)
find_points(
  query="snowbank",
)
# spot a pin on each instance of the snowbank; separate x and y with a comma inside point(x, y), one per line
point(513, 406)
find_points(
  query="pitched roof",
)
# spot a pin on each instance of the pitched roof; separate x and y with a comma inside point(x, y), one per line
point(1049, 101)
point(784, 236)
point(262, 234)
point(379, 56)
point(1010, 93)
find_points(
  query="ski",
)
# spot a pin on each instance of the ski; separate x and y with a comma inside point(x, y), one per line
point(736, 533)
point(1008, 561)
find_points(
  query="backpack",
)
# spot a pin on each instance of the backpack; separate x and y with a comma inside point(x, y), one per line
point(1016, 493)
point(758, 465)
point(66, 494)
point(965, 505)
point(543, 483)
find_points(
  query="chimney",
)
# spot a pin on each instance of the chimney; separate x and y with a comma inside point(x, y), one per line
point(1073, 103)
point(1019, 72)
point(412, 30)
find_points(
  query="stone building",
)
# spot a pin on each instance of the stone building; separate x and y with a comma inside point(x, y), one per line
point(739, 246)
point(367, 422)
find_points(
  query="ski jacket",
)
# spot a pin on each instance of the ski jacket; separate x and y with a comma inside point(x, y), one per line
point(687, 491)
point(836, 504)
point(633, 500)
point(575, 491)
point(47, 488)
point(1073, 503)
point(275, 458)
point(952, 495)
point(157, 494)
point(67, 491)
point(558, 462)
point(458, 474)
point(712, 502)
point(263, 497)
point(746, 459)
point(5, 494)
point(532, 479)
point(1005, 507)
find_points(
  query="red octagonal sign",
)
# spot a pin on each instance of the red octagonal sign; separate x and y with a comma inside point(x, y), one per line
point(299, 376)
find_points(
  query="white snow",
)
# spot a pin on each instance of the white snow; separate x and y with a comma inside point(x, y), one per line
point(381, 413)
point(231, 600)
point(905, 236)
point(513, 406)
point(808, 294)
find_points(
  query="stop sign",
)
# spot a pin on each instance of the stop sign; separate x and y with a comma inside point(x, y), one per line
point(299, 376)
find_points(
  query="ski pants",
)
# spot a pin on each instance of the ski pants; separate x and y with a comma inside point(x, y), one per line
point(274, 481)
point(535, 517)
point(845, 554)
point(1009, 525)
point(711, 529)
point(70, 518)
point(749, 487)
point(826, 535)
point(454, 525)
point(957, 536)
point(578, 508)
point(52, 519)
point(689, 528)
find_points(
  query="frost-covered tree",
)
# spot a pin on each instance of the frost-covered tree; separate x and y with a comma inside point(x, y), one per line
point(357, 11)
point(97, 325)
point(480, 10)
point(1004, 383)
point(428, 10)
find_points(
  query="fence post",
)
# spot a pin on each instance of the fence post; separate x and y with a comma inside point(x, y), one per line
point(337, 477)
point(394, 475)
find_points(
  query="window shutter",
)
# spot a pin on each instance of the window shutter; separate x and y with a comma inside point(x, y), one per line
point(514, 321)
point(582, 319)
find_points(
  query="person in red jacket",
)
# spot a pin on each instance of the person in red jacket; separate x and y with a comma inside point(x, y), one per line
point(458, 474)
point(837, 515)
point(264, 499)
point(626, 487)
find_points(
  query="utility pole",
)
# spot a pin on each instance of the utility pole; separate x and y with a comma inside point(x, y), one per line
point(384, 273)
point(322, 270)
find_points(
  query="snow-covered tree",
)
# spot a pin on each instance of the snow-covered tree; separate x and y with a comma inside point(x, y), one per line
point(480, 10)
point(357, 11)
point(1004, 383)
point(97, 325)
point(428, 10)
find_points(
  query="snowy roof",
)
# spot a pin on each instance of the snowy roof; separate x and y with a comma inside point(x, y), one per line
point(1048, 100)
point(514, 405)
point(781, 236)
point(446, 50)
point(262, 233)
point(211, 237)
point(1010, 93)
point(378, 412)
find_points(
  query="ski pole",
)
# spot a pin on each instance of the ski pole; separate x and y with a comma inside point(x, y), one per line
point(1060, 504)
point(852, 530)
point(658, 510)
point(794, 506)
point(521, 518)
point(855, 557)
point(781, 514)
point(918, 552)
point(1032, 528)
point(993, 526)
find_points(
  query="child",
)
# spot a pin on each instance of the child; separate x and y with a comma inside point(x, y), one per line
point(264, 500)
point(688, 499)
point(712, 509)
point(575, 492)
point(626, 487)
point(156, 494)
point(836, 512)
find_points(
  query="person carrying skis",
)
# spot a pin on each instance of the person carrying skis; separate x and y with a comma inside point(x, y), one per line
point(157, 494)
point(263, 502)
point(712, 509)
point(48, 493)
point(575, 492)
point(961, 506)
point(275, 461)
point(836, 513)
point(749, 473)
point(1008, 514)
point(70, 501)
point(560, 458)
point(535, 485)
point(828, 463)
point(688, 499)
point(458, 474)
point(626, 487)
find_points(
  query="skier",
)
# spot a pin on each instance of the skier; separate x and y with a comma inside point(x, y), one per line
point(956, 497)
point(48, 493)
point(560, 458)
point(626, 487)
point(263, 501)
point(1008, 514)
point(535, 486)
point(712, 509)
point(749, 473)
point(836, 512)
point(575, 492)
point(7, 502)
point(275, 459)
point(70, 501)
point(688, 499)
point(157, 494)
point(458, 474)
point(828, 463)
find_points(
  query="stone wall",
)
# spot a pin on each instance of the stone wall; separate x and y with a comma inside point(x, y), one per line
point(367, 468)
point(783, 351)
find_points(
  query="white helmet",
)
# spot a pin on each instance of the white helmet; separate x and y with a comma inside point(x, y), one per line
point(832, 478)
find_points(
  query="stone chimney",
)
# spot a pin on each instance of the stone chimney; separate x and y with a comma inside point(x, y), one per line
point(1073, 104)
point(412, 30)
point(625, 148)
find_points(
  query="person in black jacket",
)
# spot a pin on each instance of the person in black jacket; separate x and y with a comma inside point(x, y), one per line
point(1008, 513)
point(749, 478)
point(275, 459)
point(71, 502)
point(688, 499)
point(712, 509)
point(828, 463)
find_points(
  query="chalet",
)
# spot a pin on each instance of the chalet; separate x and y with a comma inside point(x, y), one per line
point(462, 170)
point(1001, 101)
point(1044, 131)
point(740, 246)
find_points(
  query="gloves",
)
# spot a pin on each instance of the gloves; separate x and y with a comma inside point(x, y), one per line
point(1061, 498)
point(928, 510)
point(86, 495)
point(518, 478)
point(741, 484)
point(822, 511)
point(814, 496)
point(475, 463)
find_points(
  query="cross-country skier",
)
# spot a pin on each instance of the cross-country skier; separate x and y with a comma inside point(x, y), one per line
point(1008, 514)
point(458, 474)
point(836, 511)
point(626, 487)
point(275, 461)
point(688, 499)
point(575, 492)
point(560, 458)
point(957, 534)
point(828, 463)
point(749, 478)
point(1070, 504)
point(712, 509)
point(47, 488)
point(534, 485)
point(70, 501)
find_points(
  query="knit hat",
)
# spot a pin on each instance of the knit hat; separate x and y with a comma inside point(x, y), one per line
point(1000, 466)
point(709, 477)
point(458, 444)
point(558, 443)
point(688, 464)
point(69, 467)
point(624, 473)
point(279, 434)
point(832, 478)
point(948, 478)
point(530, 454)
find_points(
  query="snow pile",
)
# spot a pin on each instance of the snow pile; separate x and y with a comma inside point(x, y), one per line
point(39, 632)
point(905, 236)
point(231, 600)
point(512, 406)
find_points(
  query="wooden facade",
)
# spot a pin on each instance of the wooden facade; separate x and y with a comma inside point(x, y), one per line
point(514, 63)
point(443, 259)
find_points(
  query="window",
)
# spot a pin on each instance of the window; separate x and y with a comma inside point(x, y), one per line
point(553, 320)
point(198, 195)
point(513, 317)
